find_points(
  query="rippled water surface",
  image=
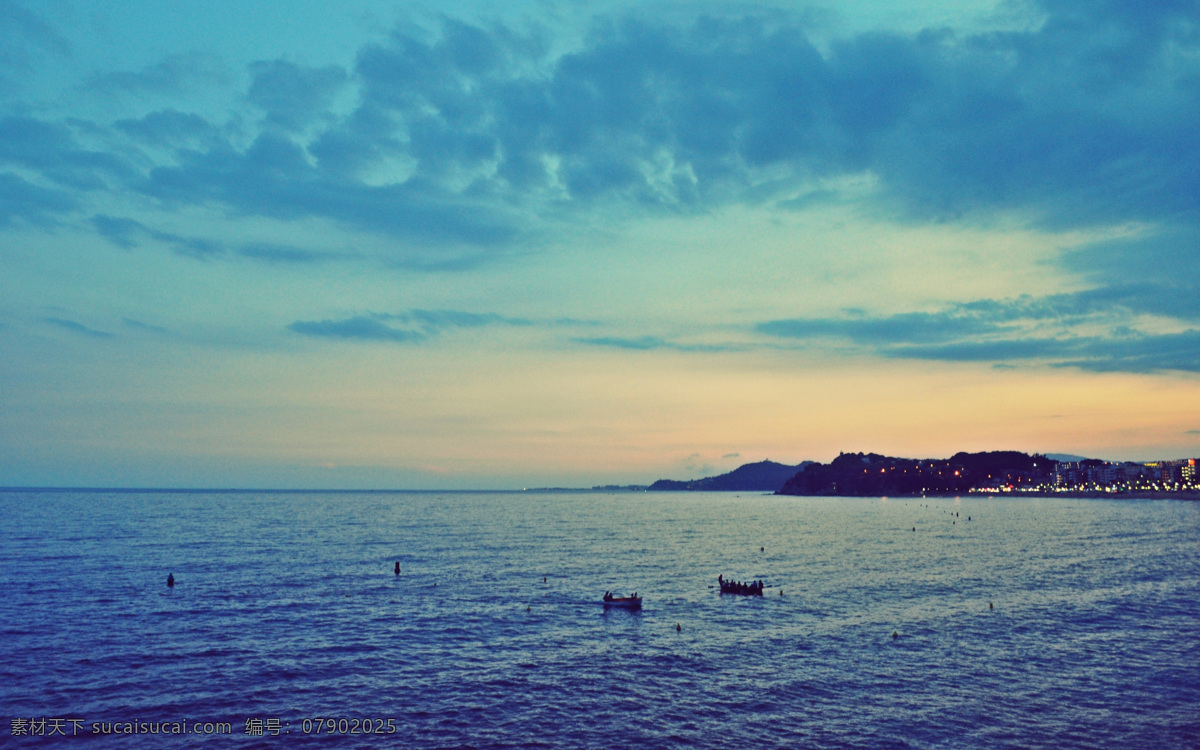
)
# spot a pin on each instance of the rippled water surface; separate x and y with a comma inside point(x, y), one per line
point(1036, 623)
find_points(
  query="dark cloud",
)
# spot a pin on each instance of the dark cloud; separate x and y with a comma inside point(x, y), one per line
point(52, 150)
point(274, 178)
point(462, 140)
point(407, 327)
point(1153, 271)
point(22, 201)
point(171, 128)
point(292, 96)
point(78, 328)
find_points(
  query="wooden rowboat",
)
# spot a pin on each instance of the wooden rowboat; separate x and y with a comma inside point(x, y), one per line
point(625, 602)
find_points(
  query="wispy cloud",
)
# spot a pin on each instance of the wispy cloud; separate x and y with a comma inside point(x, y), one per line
point(77, 328)
point(360, 328)
point(284, 254)
point(650, 343)
point(174, 74)
point(128, 233)
point(138, 325)
point(404, 327)
point(1058, 330)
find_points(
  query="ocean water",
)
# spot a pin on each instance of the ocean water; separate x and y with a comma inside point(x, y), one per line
point(1037, 623)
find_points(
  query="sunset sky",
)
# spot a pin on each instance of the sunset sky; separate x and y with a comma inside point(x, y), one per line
point(441, 245)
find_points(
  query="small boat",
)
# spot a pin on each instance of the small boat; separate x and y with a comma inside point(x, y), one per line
point(743, 589)
point(625, 602)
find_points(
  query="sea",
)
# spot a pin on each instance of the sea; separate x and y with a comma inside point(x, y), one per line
point(972, 622)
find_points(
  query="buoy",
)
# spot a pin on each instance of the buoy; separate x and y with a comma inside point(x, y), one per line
point(781, 592)
point(895, 635)
point(543, 579)
point(397, 567)
point(527, 609)
point(990, 606)
point(762, 549)
point(914, 528)
point(678, 627)
point(170, 580)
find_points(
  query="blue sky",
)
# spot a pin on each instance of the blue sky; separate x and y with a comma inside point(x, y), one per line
point(376, 245)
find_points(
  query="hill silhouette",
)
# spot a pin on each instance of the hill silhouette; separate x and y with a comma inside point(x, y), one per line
point(764, 476)
point(870, 474)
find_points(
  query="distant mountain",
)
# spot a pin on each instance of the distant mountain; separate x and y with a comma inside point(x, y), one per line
point(870, 474)
point(764, 476)
point(1066, 458)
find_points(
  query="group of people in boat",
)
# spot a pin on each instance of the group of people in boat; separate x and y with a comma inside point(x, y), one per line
point(608, 596)
point(754, 588)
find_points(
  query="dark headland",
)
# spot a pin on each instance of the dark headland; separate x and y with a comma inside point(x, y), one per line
point(764, 476)
point(989, 472)
point(992, 472)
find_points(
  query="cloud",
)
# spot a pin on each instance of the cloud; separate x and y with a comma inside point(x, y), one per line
point(293, 96)
point(285, 254)
point(78, 328)
point(649, 343)
point(173, 75)
point(22, 201)
point(905, 326)
point(274, 178)
point(53, 151)
point(25, 40)
point(642, 343)
point(360, 328)
point(1052, 330)
point(1152, 269)
point(405, 327)
point(128, 233)
point(138, 325)
point(1146, 353)
point(442, 319)
point(171, 128)
point(464, 140)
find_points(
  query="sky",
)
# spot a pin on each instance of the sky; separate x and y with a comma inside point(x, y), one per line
point(413, 245)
